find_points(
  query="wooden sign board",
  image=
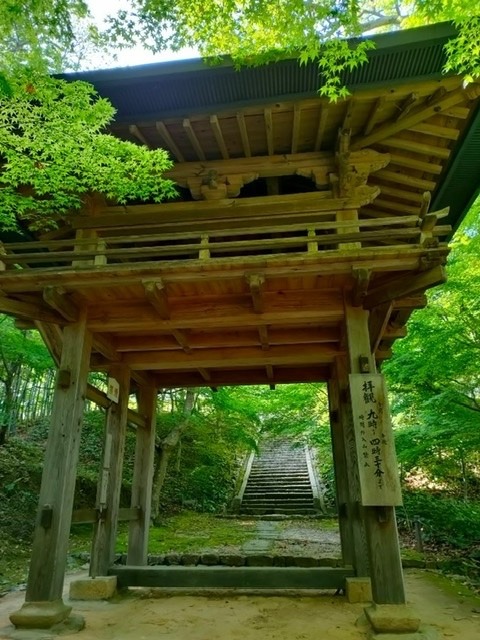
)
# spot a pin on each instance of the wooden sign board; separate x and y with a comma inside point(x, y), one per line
point(113, 390)
point(377, 462)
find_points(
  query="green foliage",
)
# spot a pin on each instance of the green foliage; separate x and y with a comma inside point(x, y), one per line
point(51, 140)
point(444, 520)
point(434, 375)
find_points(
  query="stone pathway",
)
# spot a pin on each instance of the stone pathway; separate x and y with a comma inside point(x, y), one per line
point(266, 535)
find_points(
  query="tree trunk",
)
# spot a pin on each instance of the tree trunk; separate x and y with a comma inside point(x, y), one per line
point(164, 450)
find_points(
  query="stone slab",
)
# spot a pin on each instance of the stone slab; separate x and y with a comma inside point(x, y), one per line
point(69, 626)
point(392, 618)
point(423, 633)
point(40, 615)
point(99, 588)
point(358, 590)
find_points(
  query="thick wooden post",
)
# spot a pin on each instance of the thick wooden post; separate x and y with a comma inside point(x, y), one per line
point(50, 543)
point(360, 559)
point(142, 478)
point(381, 527)
point(110, 477)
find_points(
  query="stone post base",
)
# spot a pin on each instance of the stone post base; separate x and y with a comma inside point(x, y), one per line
point(99, 588)
point(358, 590)
point(40, 615)
point(392, 618)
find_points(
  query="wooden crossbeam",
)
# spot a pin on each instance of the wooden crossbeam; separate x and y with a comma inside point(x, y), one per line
point(217, 132)
point(244, 134)
point(29, 310)
point(430, 150)
point(57, 299)
point(169, 141)
point(269, 130)
point(237, 357)
point(377, 323)
point(156, 294)
point(135, 131)
point(405, 285)
point(191, 135)
point(375, 115)
point(256, 282)
point(362, 280)
point(297, 115)
point(389, 129)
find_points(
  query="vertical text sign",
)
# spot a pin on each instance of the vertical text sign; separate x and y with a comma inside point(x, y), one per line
point(377, 462)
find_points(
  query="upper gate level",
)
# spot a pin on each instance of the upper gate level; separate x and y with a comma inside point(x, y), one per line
point(288, 206)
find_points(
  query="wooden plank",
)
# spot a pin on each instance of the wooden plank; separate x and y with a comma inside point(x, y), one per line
point(237, 357)
point(50, 543)
point(156, 294)
point(141, 495)
point(297, 115)
point(267, 578)
point(256, 283)
point(242, 338)
point(322, 125)
point(267, 114)
point(90, 516)
point(169, 141)
point(187, 126)
point(223, 378)
point(244, 134)
point(404, 286)
point(135, 131)
point(402, 178)
point(57, 299)
point(110, 477)
point(430, 150)
point(217, 132)
point(389, 129)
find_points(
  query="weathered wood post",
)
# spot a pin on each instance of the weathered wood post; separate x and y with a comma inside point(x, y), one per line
point(142, 478)
point(43, 602)
point(380, 487)
point(110, 477)
point(344, 443)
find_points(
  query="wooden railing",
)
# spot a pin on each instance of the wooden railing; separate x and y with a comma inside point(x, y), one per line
point(341, 235)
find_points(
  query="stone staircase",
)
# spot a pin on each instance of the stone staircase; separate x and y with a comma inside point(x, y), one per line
point(280, 482)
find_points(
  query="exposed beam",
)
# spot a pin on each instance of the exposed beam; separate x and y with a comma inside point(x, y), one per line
point(419, 115)
point(377, 323)
point(100, 398)
point(191, 135)
point(156, 294)
point(57, 299)
point(375, 114)
point(405, 144)
point(263, 335)
point(237, 357)
point(297, 115)
point(169, 141)
point(269, 130)
point(205, 374)
point(135, 131)
point(409, 181)
point(322, 125)
point(407, 105)
point(256, 282)
point(29, 311)
point(404, 286)
point(362, 279)
point(183, 379)
point(244, 134)
point(241, 338)
point(217, 132)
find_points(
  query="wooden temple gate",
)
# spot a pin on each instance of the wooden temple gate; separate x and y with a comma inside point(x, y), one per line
point(300, 244)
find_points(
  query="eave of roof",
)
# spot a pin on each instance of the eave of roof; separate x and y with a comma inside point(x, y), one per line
point(180, 88)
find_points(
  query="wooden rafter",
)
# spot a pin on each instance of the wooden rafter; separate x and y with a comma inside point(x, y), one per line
point(192, 136)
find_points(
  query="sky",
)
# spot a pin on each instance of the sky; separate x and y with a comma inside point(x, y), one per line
point(128, 57)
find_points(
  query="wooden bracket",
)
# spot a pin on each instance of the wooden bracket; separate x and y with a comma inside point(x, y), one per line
point(156, 294)
point(362, 280)
point(256, 283)
point(57, 299)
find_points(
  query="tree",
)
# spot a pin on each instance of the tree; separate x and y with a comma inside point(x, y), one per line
point(434, 374)
point(53, 148)
point(254, 32)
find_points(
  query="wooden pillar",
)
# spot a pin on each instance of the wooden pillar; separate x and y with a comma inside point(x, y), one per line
point(381, 527)
point(50, 543)
point(142, 478)
point(340, 473)
point(110, 477)
point(358, 536)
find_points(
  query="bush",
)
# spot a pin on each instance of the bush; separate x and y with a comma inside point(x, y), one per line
point(444, 520)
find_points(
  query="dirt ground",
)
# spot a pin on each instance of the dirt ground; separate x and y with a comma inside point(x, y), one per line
point(143, 615)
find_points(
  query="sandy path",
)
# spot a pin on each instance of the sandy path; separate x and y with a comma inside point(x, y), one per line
point(241, 617)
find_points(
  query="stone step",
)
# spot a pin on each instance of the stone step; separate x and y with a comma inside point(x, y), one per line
point(254, 511)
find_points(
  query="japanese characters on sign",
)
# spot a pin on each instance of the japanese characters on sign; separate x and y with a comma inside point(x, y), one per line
point(377, 463)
